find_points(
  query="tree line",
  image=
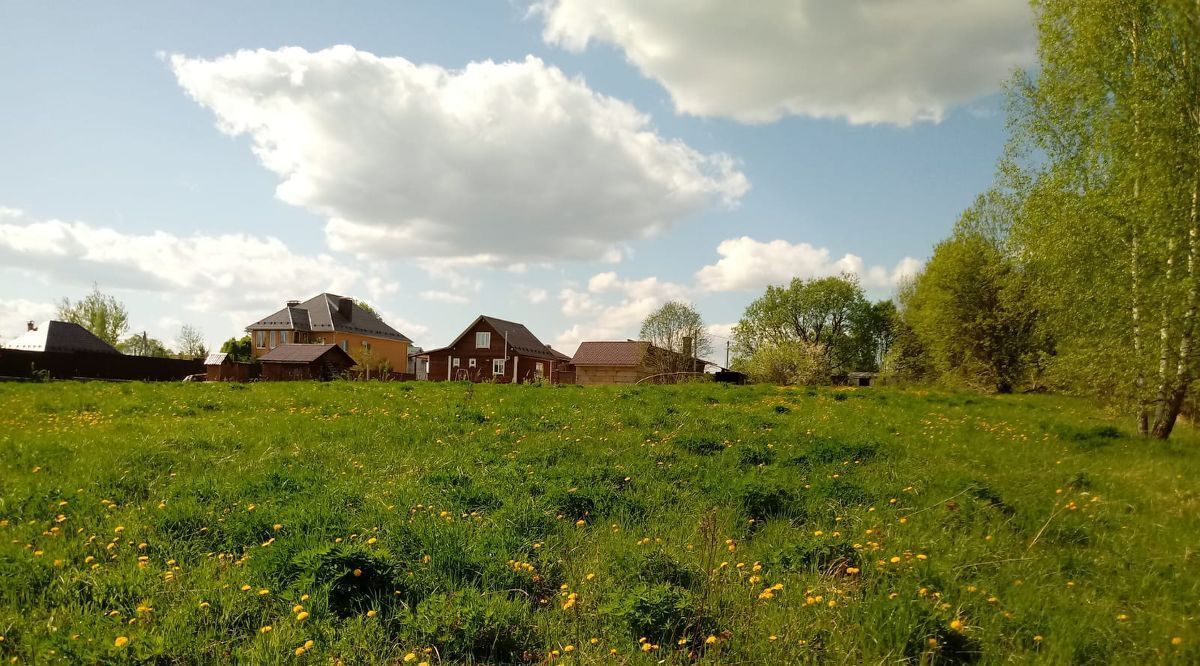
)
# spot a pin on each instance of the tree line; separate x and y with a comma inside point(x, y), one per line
point(108, 319)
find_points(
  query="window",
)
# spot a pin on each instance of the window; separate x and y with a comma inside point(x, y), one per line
point(454, 362)
point(497, 366)
point(540, 370)
point(470, 363)
point(272, 339)
point(283, 337)
point(483, 340)
point(345, 345)
point(260, 339)
point(366, 345)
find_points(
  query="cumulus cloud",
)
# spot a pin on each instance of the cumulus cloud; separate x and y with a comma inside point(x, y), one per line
point(747, 263)
point(536, 296)
point(237, 276)
point(613, 307)
point(493, 164)
point(865, 61)
point(443, 296)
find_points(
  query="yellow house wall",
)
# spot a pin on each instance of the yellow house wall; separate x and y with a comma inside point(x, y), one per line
point(395, 351)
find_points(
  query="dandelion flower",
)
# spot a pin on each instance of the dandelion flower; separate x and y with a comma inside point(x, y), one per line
point(410, 657)
point(371, 613)
point(956, 625)
point(357, 573)
point(1178, 640)
point(568, 648)
point(301, 616)
point(308, 645)
point(121, 641)
point(266, 629)
point(299, 651)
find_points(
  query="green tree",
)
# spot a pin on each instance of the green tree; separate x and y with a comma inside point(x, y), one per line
point(366, 306)
point(143, 345)
point(671, 327)
point(1105, 156)
point(99, 313)
point(238, 349)
point(831, 314)
point(190, 343)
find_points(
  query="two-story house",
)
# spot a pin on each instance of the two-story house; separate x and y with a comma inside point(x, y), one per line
point(331, 320)
point(496, 350)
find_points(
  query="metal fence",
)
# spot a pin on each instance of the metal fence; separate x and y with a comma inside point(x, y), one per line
point(23, 364)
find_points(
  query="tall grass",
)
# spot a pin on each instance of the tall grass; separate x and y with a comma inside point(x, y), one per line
point(445, 523)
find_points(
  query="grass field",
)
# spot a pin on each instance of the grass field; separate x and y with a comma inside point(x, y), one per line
point(445, 523)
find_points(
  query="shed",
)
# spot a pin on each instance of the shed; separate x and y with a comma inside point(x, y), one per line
point(293, 362)
point(630, 361)
point(220, 367)
point(861, 378)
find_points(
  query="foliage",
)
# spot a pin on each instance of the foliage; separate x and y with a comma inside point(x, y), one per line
point(669, 328)
point(829, 314)
point(1104, 158)
point(189, 517)
point(143, 345)
point(366, 306)
point(970, 309)
point(787, 363)
point(190, 343)
point(99, 313)
point(238, 349)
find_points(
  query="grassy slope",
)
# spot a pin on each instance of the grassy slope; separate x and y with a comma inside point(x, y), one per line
point(1019, 517)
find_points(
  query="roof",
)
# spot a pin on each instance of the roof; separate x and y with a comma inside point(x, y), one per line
point(520, 339)
point(61, 336)
point(292, 353)
point(628, 352)
point(216, 358)
point(320, 313)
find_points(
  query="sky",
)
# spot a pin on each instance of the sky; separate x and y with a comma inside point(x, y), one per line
point(568, 164)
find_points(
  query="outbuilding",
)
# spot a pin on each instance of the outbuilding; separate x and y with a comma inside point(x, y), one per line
point(220, 367)
point(297, 362)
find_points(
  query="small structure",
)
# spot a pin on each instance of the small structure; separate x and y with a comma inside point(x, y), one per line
point(220, 367)
point(862, 378)
point(59, 336)
point(296, 362)
point(628, 362)
point(494, 350)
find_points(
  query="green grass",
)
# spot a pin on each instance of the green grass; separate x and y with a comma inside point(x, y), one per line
point(472, 514)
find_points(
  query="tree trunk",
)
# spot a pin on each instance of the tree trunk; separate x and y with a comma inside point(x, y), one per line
point(1168, 411)
point(1139, 383)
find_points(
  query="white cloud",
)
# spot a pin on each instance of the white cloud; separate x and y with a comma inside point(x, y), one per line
point(536, 296)
point(237, 277)
point(614, 307)
point(496, 163)
point(865, 61)
point(443, 296)
point(750, 264)
point(15, 313)
point(721, 330)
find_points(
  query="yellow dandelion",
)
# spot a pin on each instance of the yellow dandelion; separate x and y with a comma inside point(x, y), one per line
point(121, 641)
point(371, 613)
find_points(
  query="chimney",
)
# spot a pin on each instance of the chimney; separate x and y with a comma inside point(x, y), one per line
point(30, 326)
point(687, 346)
point(346, 307)
point(292, 304)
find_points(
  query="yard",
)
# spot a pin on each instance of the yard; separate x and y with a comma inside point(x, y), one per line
point(448, 523)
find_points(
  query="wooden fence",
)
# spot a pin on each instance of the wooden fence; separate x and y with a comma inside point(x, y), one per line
point(21, 364)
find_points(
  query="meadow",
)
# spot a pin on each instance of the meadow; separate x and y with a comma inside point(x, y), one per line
point(404, 523)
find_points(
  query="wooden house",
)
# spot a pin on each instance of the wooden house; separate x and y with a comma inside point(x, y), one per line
point(220, 367)
point(327, 319)
point(494, 350)
point(628, 362)
point(305, 361)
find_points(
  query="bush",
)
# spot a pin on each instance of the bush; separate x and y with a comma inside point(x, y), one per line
point(788, 363)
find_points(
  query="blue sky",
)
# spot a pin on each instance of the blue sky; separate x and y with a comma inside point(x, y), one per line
point(688, 150)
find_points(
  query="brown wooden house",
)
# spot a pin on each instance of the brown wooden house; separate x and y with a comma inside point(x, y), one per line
point(305, 361)
point(627, 362)
point(495, 350)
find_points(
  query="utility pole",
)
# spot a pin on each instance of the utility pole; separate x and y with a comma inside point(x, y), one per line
point(726, 354)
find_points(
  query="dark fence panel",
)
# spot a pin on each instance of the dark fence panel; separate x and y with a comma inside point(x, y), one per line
point(92, 365)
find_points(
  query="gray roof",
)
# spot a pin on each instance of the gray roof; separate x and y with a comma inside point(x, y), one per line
point(320, 313)
point(216, 358)
point(61, 336)
point(302, 353)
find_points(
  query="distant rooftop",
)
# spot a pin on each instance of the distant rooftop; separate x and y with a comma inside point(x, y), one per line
point(60, 336)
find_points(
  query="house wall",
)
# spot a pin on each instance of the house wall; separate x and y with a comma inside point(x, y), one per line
point(395, 351)
point(608, 374)
point(466, 350)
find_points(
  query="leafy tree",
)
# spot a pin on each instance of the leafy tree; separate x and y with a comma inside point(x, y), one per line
point(668, 327)
point(143, 345)
point(787, 363)
point(1105, 156)
point(190, 343)
point(366, 306)
point(238, 349)
point(831, 314)
point(970, 308)
point(99, 313)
